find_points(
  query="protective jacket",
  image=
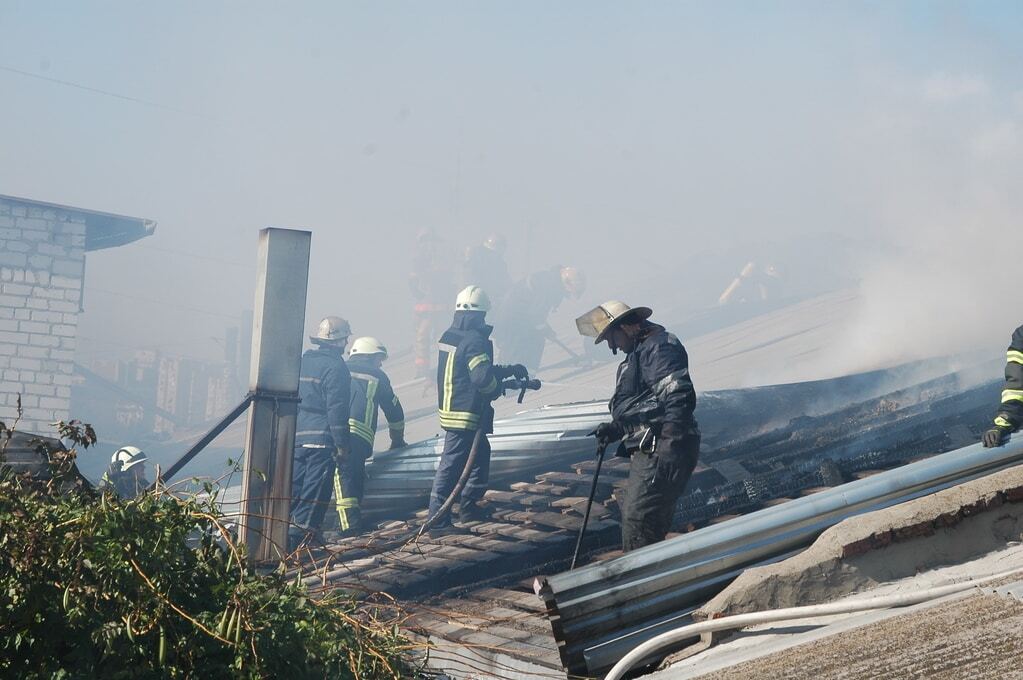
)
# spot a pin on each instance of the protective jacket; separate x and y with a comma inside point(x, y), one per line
point(371, 388)
point(1010, 413)
point(487, 269)
point(121, 483)
point(653, 385)
point(467, 380)
point(325, 390)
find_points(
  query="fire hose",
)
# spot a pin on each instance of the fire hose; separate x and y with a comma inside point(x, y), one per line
point(742, 620)
point(514, 384)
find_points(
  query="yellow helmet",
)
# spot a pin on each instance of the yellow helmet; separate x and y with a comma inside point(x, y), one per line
point(472, 299)
point(368, 346)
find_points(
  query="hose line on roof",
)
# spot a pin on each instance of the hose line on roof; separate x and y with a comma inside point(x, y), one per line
point(742, 620)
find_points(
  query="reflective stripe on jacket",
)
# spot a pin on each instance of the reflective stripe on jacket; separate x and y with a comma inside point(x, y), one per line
point(1010, 412)
point(371, 389)
point(466, 379)
point(325, 390)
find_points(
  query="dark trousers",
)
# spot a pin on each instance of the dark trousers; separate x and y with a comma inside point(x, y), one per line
point(350, 482)
point(656, 480)
point(312, 471)
point(457, 444)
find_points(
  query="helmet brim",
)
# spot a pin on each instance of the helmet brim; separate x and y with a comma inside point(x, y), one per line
point(634, 314)
point(322, 341)
point(133, 462)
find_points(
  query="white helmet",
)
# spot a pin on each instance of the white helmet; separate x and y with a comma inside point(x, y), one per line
point(333, 330)
point(573, 281)
point(128, 457)
point(368, 346)
point(472, 299)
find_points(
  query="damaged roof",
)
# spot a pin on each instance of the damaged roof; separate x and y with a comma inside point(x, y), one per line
point(102, 230)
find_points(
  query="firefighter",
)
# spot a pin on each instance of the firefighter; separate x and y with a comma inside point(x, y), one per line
point(522, 328)
point(432, 284)
point(322, 434)
point(651, 415)
point(371, 389)
point(485, 266)
point(467, 383)
point(1010, 413)
point(126, 475)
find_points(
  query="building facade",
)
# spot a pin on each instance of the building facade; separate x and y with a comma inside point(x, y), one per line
point(43, 250)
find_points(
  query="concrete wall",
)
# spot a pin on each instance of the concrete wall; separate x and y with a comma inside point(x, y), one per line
point(42, 267)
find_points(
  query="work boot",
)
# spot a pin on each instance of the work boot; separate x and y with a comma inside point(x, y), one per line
point(446, 530)
point(355, 529)
point(471, 511)
point(308, 538)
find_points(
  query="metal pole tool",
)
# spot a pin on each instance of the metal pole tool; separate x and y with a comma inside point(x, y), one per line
point(601, 448)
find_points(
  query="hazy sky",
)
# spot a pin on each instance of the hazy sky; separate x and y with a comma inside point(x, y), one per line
point(601, 134)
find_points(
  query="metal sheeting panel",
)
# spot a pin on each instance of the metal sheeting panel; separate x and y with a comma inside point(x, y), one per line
point(600, 612)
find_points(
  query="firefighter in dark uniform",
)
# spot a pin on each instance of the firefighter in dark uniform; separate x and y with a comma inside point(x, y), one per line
point(467, 383)
point(126, 475)
point(652, 416)
point(485, 266)
point(1010, 413)
point(321, 433)
point(371, 391)
point(522, 327)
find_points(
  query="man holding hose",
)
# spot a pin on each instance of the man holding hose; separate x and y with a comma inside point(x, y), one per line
point(467, 383)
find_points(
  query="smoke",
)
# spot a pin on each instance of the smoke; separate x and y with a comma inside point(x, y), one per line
point(627, 141)
point(943, 158)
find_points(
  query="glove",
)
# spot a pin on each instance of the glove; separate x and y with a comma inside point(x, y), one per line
point(608, 432)
point(517, 371)
point(340, 454)
point(398, 440)
point(996, 436)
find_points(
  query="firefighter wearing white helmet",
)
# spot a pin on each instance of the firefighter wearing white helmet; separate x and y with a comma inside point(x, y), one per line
point(322, 437)
point(126, 475)
point(467, 383)
point(472, 299)
point(485, 266)
point(371, 391)
point(651, 414)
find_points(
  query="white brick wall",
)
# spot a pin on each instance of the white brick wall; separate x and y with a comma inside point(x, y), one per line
point(42, 266)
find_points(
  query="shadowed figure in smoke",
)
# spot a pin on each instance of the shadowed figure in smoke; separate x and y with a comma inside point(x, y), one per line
point(522, 330)
point(652, 417)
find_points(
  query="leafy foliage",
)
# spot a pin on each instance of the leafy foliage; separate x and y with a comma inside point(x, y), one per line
point(95, 586)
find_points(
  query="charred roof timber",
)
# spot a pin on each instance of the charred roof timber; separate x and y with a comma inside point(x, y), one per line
point(102, 230)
